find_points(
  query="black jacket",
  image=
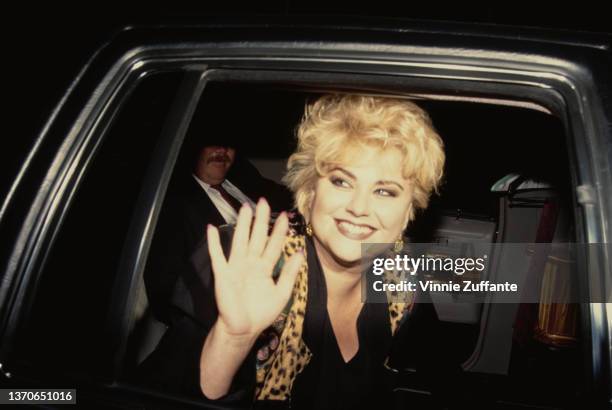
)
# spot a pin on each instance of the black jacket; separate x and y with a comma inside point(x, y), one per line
point(182, 225)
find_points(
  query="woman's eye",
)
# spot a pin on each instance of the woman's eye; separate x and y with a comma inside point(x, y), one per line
point(385, 192)
point(340, 182)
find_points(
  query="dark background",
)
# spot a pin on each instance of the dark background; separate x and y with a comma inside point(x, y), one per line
point(48, 44)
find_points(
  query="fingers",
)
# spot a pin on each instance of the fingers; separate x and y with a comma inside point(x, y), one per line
point(215, 250)
point(259, 236)
point(288, 274)
point(277, 239)
point(240, 240)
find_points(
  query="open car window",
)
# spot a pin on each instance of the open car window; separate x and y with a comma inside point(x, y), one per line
point(485, 143)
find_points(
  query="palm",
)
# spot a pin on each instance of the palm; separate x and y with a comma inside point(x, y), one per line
point(248, 299)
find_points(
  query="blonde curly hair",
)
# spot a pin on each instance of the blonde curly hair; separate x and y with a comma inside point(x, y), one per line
point(335, 125)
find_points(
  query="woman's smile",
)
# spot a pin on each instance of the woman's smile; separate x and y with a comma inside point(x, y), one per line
point(358, 232)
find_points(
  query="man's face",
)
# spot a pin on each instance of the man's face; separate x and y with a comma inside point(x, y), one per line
point(214, 162)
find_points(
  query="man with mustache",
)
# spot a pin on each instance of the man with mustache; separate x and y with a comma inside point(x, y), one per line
point(213, 164)
point(220, 183)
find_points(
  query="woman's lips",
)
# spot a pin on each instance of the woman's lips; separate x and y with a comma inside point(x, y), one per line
point(354, 231)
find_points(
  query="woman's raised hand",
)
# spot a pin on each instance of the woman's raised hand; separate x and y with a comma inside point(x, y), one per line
point(247, 297)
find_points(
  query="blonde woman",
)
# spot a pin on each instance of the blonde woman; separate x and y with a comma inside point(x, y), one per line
point(288, 322)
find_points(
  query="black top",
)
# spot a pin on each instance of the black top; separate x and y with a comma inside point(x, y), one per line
point(328, 382)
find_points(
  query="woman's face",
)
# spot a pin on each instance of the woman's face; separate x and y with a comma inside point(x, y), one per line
point(365, 199)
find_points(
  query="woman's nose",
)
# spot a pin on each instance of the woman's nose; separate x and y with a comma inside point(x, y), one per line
point(359, 203)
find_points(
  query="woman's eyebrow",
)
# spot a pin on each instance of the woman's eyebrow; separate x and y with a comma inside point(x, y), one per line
point(389, 183)
point(344, 171)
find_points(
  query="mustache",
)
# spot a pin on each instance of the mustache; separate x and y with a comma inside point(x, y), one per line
point(218, 158)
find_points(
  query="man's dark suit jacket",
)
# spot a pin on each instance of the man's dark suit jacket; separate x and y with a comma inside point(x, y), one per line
point(182, 224)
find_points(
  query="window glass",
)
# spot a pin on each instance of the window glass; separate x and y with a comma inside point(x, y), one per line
point(67, 327)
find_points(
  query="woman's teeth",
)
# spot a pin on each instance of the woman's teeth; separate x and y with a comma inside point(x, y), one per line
point(356, 229)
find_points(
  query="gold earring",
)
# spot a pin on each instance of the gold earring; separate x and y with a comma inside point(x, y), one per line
point(399, 244)
point(308, 229)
